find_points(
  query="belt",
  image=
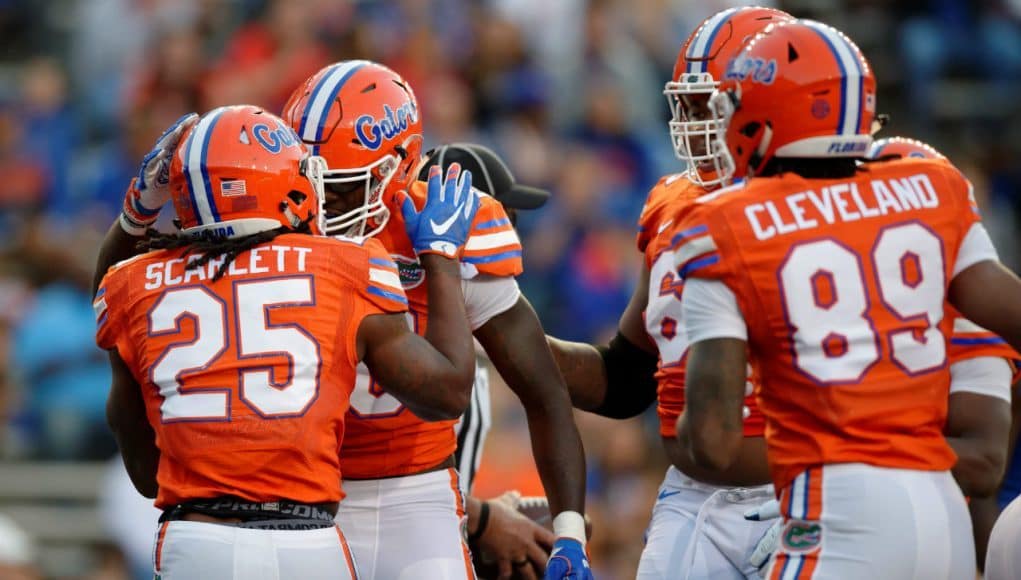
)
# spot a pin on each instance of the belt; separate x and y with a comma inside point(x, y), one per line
point(276, 515)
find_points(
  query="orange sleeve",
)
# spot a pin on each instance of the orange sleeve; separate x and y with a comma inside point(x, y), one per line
point(107, 306)
point(970, 340)
point(652, 213)
point(967, 211)
point(493, 246)
point(647, 222)
point(705, 246)
point(696, 241)
point(381, 284)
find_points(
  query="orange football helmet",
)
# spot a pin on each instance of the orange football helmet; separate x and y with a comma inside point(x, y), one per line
point(798, 89)
point(240, 170)
point(363, 119)
point(698, 70)
point(898, 147)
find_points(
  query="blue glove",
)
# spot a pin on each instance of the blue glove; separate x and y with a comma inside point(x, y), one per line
point(568, 561)
point(443, 224)
point(149, 190)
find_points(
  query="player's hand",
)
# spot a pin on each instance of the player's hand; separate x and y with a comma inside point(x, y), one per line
point(517, 545)
point(568, 561)
point(149, 190)
point(766, 546)
point(442, 226)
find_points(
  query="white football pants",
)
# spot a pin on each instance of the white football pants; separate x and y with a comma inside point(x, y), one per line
point(698, 531)
point(853, 521)
point(407, 528)
point(1003, 558)
point(202, 551)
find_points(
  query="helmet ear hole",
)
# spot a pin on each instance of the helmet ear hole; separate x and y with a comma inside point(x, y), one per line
point(297, 197)
point(751, 129)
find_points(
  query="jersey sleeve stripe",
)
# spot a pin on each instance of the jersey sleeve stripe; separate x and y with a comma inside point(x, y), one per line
point(488, 259)
point(493, 224)
point(963, 325)
point(383, 263)
point(960, 340)
point(99, 306)
point(399, 298)
point(688, 233)
point(692, 265)
point(490, 241)
point(385, 277)
point(693, 249)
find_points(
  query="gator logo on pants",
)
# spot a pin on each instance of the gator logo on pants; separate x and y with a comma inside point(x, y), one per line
point(801, 536)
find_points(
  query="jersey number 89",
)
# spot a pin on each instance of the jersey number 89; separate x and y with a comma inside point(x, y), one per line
point(826, 302)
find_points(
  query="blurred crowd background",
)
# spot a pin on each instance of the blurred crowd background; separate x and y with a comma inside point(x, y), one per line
point(569, 91)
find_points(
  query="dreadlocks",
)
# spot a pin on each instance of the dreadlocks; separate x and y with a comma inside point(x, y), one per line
point(212, 246)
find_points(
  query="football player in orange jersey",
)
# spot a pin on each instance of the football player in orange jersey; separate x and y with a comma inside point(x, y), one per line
point(698, 527)
point(982, 372)
point(234, 345)
point(403, 511)
point(834, 275)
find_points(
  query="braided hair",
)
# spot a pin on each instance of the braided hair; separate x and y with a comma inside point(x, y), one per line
point(210, 245)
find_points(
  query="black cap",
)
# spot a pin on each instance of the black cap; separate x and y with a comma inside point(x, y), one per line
point(489, 174)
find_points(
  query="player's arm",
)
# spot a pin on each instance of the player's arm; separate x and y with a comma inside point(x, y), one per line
point(616, 380)
point(514, 341)
point(978, 422)
point(118, 245)
point(985, 510)
point(431, 375)
point(125, 413)
point(712, 423)
point(998, 310)
point(145, 197)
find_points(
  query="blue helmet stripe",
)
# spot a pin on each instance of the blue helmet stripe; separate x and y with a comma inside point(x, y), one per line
point(186, 169)
point(702, 45)
point(196, 172)
point(317, 109)
point(205, 169)
point(852, 79)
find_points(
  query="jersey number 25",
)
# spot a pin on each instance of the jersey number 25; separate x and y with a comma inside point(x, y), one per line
point(257, 339)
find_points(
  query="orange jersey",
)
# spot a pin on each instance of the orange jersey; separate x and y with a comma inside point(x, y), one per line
point(663, 311)
point(842, 284)
point(246, 380)
point(384, 438)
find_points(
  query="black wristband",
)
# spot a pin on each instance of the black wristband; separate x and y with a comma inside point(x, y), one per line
point(630, 379)
point(483, 522)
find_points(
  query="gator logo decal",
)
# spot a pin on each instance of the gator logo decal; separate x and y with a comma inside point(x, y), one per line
point(801, 536)
point(409, 270)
